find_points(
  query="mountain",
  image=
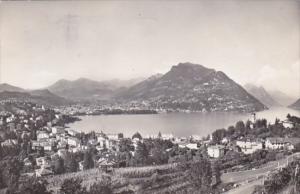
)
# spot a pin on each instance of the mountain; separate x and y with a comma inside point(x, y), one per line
point(296, 105)
point(191, 87)
point(282, 98)
point(261, 94)
point(10, 88)
point(43, 97)
point(117, 83)
point(82, 89)
point(49, 98)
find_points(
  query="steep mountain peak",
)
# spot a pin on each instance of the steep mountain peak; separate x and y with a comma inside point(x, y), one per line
point(189, 86)
point(190, 66)
point(187, 70)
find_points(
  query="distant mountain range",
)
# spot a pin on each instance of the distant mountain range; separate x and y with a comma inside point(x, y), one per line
point(262, 95)
point(282, 98)
point(82, 89)
point(37, 96)
point(86, 89)
point(10, 88)
point(186, 86)
point(296, 105)
point(192, 87)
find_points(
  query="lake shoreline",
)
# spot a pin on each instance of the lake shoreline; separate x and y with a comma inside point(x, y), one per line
point(177, 123)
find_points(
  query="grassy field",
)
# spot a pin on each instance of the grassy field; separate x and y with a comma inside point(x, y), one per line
point(146, 180)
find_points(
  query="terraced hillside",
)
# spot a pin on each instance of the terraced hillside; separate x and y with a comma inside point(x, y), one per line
point(147, 180)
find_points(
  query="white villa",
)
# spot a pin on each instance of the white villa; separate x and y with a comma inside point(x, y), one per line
point(249, 146)
point(281, 143)
point(216, 151)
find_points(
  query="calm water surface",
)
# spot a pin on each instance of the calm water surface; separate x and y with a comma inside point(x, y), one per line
point(178, 124)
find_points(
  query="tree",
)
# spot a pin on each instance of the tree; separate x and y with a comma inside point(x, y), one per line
point(72, 186)
point(230, 131)
point(41, 152)
point(216, 172)
point(1, 151)
point(88, 161)
point(159, 135)
point(34, 186)
point(218, 135)
point(260, 123)
point(125, 145)
point(141, 154)
point(103, 187)
point(70, 162)
point(59, 166)
point(137, 135)
point(158, 152)
point(277, 121)
point(248, 124)
point(120, 135)
point(240, 127)
point(11, 172)
point(201, 175)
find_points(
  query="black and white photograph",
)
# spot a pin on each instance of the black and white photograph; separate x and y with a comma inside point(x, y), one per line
point(149, 96)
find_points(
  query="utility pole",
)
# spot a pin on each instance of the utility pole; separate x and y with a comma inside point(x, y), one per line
point(296, 172)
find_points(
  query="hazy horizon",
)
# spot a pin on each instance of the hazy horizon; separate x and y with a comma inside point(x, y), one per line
point(251, 41)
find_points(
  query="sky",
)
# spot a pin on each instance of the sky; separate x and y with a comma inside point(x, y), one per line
point(252, 41)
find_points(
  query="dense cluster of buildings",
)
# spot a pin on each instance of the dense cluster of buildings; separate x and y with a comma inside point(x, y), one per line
point(249, 146)
point(46, 134)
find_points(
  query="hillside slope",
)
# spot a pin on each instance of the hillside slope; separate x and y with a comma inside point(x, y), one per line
point(43, 97)
point(192, 87)
point(261, 94)
point(296, 105)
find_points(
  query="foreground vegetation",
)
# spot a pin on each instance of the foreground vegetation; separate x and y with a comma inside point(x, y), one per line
point(287, 179)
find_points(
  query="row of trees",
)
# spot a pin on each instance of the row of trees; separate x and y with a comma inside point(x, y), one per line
point(259, 129)
point(69, 186)
point(148, 152)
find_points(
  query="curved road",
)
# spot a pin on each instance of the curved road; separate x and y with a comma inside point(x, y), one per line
point(256, 175)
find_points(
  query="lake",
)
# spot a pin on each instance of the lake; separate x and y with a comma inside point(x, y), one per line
point(178, 124)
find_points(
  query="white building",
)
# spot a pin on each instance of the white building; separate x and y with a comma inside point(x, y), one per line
point(72, 141)
point(72, 132)
point(42, 161)
point(103, 142)
point(62, 153)
point(216, 151)
point(48, 146)
point(113, 136)
point(282, 143)
point(275, 143)
point(42, 135)
point(43, 172)
point(249, 146)
point(288, 124)
point(167, 136)
point(57, 130)
point(192, 146)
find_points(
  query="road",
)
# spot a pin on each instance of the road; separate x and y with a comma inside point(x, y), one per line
point(245, 189)
point(256, 175)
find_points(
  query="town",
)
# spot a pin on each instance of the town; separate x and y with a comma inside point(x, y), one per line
point(36, 143)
